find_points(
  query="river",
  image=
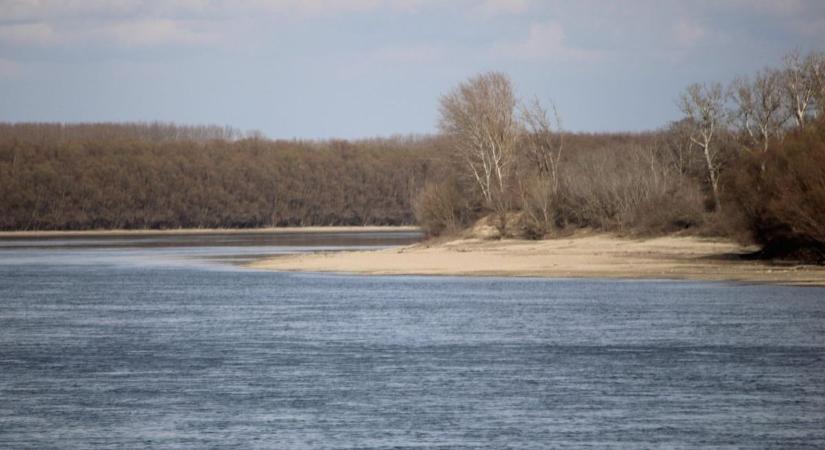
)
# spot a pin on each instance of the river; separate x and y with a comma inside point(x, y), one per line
point(168, 342)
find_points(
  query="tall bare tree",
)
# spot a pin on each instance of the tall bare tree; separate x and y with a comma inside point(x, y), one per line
point(704, 105)
point(759, 108)
point(800, 84)
point(479, 117)
point(817, 64)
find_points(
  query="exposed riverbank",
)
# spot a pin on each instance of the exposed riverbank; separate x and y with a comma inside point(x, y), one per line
point(589, 256)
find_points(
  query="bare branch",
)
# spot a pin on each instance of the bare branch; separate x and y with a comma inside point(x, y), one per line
point(479, 117)
point(704, 107)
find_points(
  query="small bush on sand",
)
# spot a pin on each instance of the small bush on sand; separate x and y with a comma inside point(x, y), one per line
point(441, 208)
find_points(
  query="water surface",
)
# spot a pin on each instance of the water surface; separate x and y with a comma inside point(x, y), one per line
point(113, 343)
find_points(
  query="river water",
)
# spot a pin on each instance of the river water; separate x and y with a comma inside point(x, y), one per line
point(166, 342)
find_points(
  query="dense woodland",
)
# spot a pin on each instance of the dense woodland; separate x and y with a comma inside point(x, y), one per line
point(98, 176)
point(137, 176)
point(746, 161)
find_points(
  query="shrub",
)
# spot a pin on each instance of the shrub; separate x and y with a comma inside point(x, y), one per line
point(631, 189)
point(441, 208)
point(781, 195)
point(540, 207)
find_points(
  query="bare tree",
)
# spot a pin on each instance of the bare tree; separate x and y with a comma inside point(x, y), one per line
point(704, 106)
point(817, 66)
point(800, 84)
point(675, 140)
point(759, 108)
point(479, 117)
point(543, 142)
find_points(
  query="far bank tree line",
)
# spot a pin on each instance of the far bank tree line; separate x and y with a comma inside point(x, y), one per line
point(157, 175)
point(144, 176)
point(746, 160)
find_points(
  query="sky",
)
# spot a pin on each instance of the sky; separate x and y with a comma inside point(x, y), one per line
point(313, 69)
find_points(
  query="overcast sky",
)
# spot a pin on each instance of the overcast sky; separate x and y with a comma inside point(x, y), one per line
point(361, 68)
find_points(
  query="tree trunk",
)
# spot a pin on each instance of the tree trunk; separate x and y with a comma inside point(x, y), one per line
point(714, 179)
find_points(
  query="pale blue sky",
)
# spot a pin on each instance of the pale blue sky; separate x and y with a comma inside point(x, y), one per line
point(362, 68)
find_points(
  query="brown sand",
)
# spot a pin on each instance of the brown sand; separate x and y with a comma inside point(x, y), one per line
point(592, 256)
point(188, 231)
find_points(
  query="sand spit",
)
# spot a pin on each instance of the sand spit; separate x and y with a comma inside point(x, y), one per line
point(591, 256)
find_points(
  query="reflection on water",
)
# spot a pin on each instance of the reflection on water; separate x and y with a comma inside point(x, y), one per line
point(126, 346)
point(218, 239)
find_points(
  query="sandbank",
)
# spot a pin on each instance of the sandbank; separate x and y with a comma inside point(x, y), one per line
point(589, 256)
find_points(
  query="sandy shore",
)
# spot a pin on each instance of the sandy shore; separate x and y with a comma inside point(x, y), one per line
point(594, 256)
point(187, 231)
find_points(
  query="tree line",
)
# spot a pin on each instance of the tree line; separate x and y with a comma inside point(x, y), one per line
point(745, 161)
point(126, 176)
point(161, 175)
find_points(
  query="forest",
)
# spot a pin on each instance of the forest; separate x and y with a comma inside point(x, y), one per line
point(134, 176)
point(158, 175)
point(746, 161)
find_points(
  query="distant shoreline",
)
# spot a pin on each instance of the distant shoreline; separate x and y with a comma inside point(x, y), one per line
point(196, 231)
point(589, 256)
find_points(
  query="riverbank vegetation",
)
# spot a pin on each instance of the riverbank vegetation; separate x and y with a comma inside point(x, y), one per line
point(131, 176)
point(747, 160)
